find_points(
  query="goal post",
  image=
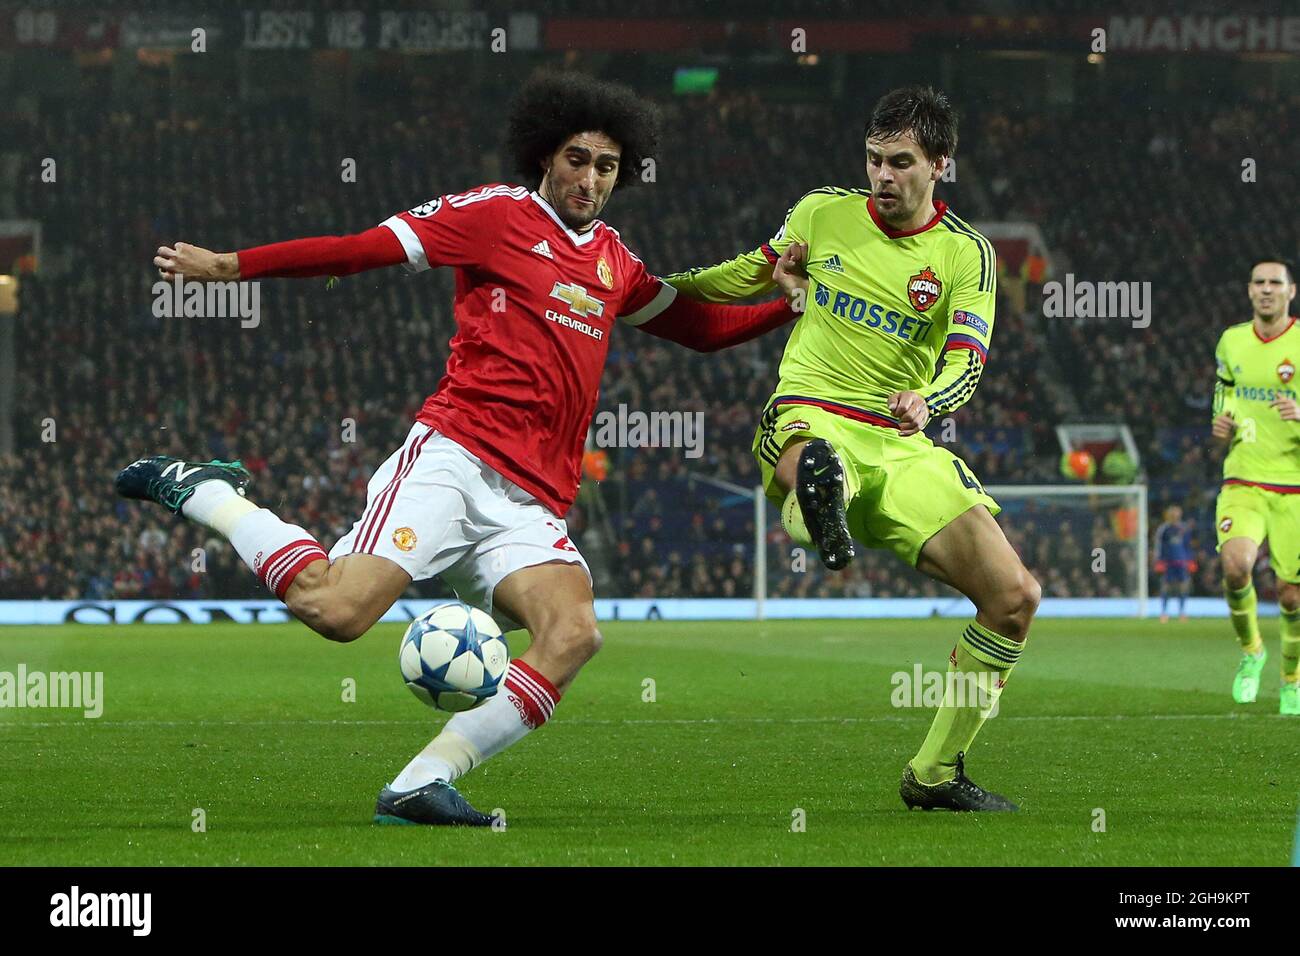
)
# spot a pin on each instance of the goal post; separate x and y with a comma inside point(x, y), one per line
point(1121, 508)
point(724, 552)
point(760, 530)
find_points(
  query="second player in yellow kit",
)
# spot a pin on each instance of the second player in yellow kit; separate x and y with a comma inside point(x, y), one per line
point(1261, 473)
point(1255, 411)
point(895, 330)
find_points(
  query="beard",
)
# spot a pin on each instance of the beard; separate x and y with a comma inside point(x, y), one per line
point(895, 209)
point(578, 219)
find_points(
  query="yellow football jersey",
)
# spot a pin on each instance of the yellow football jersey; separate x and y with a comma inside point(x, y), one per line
point(1251, 373)
point(883, 306)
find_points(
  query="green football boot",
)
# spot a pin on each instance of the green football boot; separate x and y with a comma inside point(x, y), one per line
point(1245, 686)
point(1290, 704)
point(171, 482)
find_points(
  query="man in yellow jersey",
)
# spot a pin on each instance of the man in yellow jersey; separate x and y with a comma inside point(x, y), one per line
point(1255, 412)
point(897, 285)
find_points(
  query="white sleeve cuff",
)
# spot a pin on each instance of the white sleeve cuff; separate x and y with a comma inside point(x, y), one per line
point(416, 260)
point(652, 308)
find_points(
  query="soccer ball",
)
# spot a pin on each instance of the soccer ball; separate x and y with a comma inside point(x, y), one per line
point(453, 656)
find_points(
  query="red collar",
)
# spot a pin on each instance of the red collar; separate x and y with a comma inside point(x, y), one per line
point(940, 207)
point(1275, 337)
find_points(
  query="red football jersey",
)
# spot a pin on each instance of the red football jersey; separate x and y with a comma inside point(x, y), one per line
point(535, 304)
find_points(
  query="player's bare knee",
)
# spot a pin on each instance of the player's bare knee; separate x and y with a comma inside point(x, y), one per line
point(1013, 609)
point(1288, 595)
point(1236, 573)
point(1025, 598)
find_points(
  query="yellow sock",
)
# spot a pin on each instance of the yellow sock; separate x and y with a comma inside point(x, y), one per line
point(792, 520)
point(1241, 608)
point(982, 659)
point(1290, 645)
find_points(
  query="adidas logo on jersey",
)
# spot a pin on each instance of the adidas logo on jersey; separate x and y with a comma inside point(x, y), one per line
point(542, 249)
point(833, 265)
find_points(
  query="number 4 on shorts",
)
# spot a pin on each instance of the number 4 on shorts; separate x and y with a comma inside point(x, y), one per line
point(966, 479)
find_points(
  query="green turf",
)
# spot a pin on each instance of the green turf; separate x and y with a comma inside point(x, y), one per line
point(751, 722)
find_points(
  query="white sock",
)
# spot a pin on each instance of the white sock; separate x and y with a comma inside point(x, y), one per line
point(524, 703)
point(218, 505)
point(274, 549)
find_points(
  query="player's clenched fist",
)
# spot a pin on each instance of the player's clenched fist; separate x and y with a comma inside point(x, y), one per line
point(195, 262)
point(790, 275)
point(1223, 426)
point(911, 411)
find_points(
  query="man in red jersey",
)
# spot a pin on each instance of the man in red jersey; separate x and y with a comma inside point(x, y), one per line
point(479, 490)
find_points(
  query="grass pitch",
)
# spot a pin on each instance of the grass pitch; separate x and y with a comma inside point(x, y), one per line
point(750, 724)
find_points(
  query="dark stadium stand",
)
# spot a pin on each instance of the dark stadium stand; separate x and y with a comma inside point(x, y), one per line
point(119, 382)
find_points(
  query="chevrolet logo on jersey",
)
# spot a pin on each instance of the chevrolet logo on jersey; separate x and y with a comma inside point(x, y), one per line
point(576, 298)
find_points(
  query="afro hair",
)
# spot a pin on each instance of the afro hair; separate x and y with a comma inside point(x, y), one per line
point(552, 106)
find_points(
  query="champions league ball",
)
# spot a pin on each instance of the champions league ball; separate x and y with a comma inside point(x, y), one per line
point(453, 656)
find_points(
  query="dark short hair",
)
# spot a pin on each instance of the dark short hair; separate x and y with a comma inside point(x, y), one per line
point(923, 112)
point(552, 106)
point(1290, 273)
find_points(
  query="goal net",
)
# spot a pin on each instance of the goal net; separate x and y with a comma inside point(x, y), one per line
point(1085, 544)
point(698, 537)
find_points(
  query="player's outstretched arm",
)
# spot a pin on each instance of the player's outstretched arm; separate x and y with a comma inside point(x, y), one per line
point(751, 273)
point(708, 327)
point(659, 309)
point(748, 274)
point(297, 258)
point(195, 262)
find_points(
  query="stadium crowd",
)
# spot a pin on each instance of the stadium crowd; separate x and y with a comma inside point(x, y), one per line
point(315, 396)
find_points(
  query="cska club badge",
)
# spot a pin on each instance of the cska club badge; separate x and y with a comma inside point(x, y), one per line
point(924, 289)
point(1286, 371)
point(604, 274)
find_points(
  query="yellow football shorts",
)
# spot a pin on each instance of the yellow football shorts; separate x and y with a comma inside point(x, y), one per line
point(909, 489)
point(1248, 511)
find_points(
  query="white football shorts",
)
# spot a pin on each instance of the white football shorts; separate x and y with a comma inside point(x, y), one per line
point(436, 509)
